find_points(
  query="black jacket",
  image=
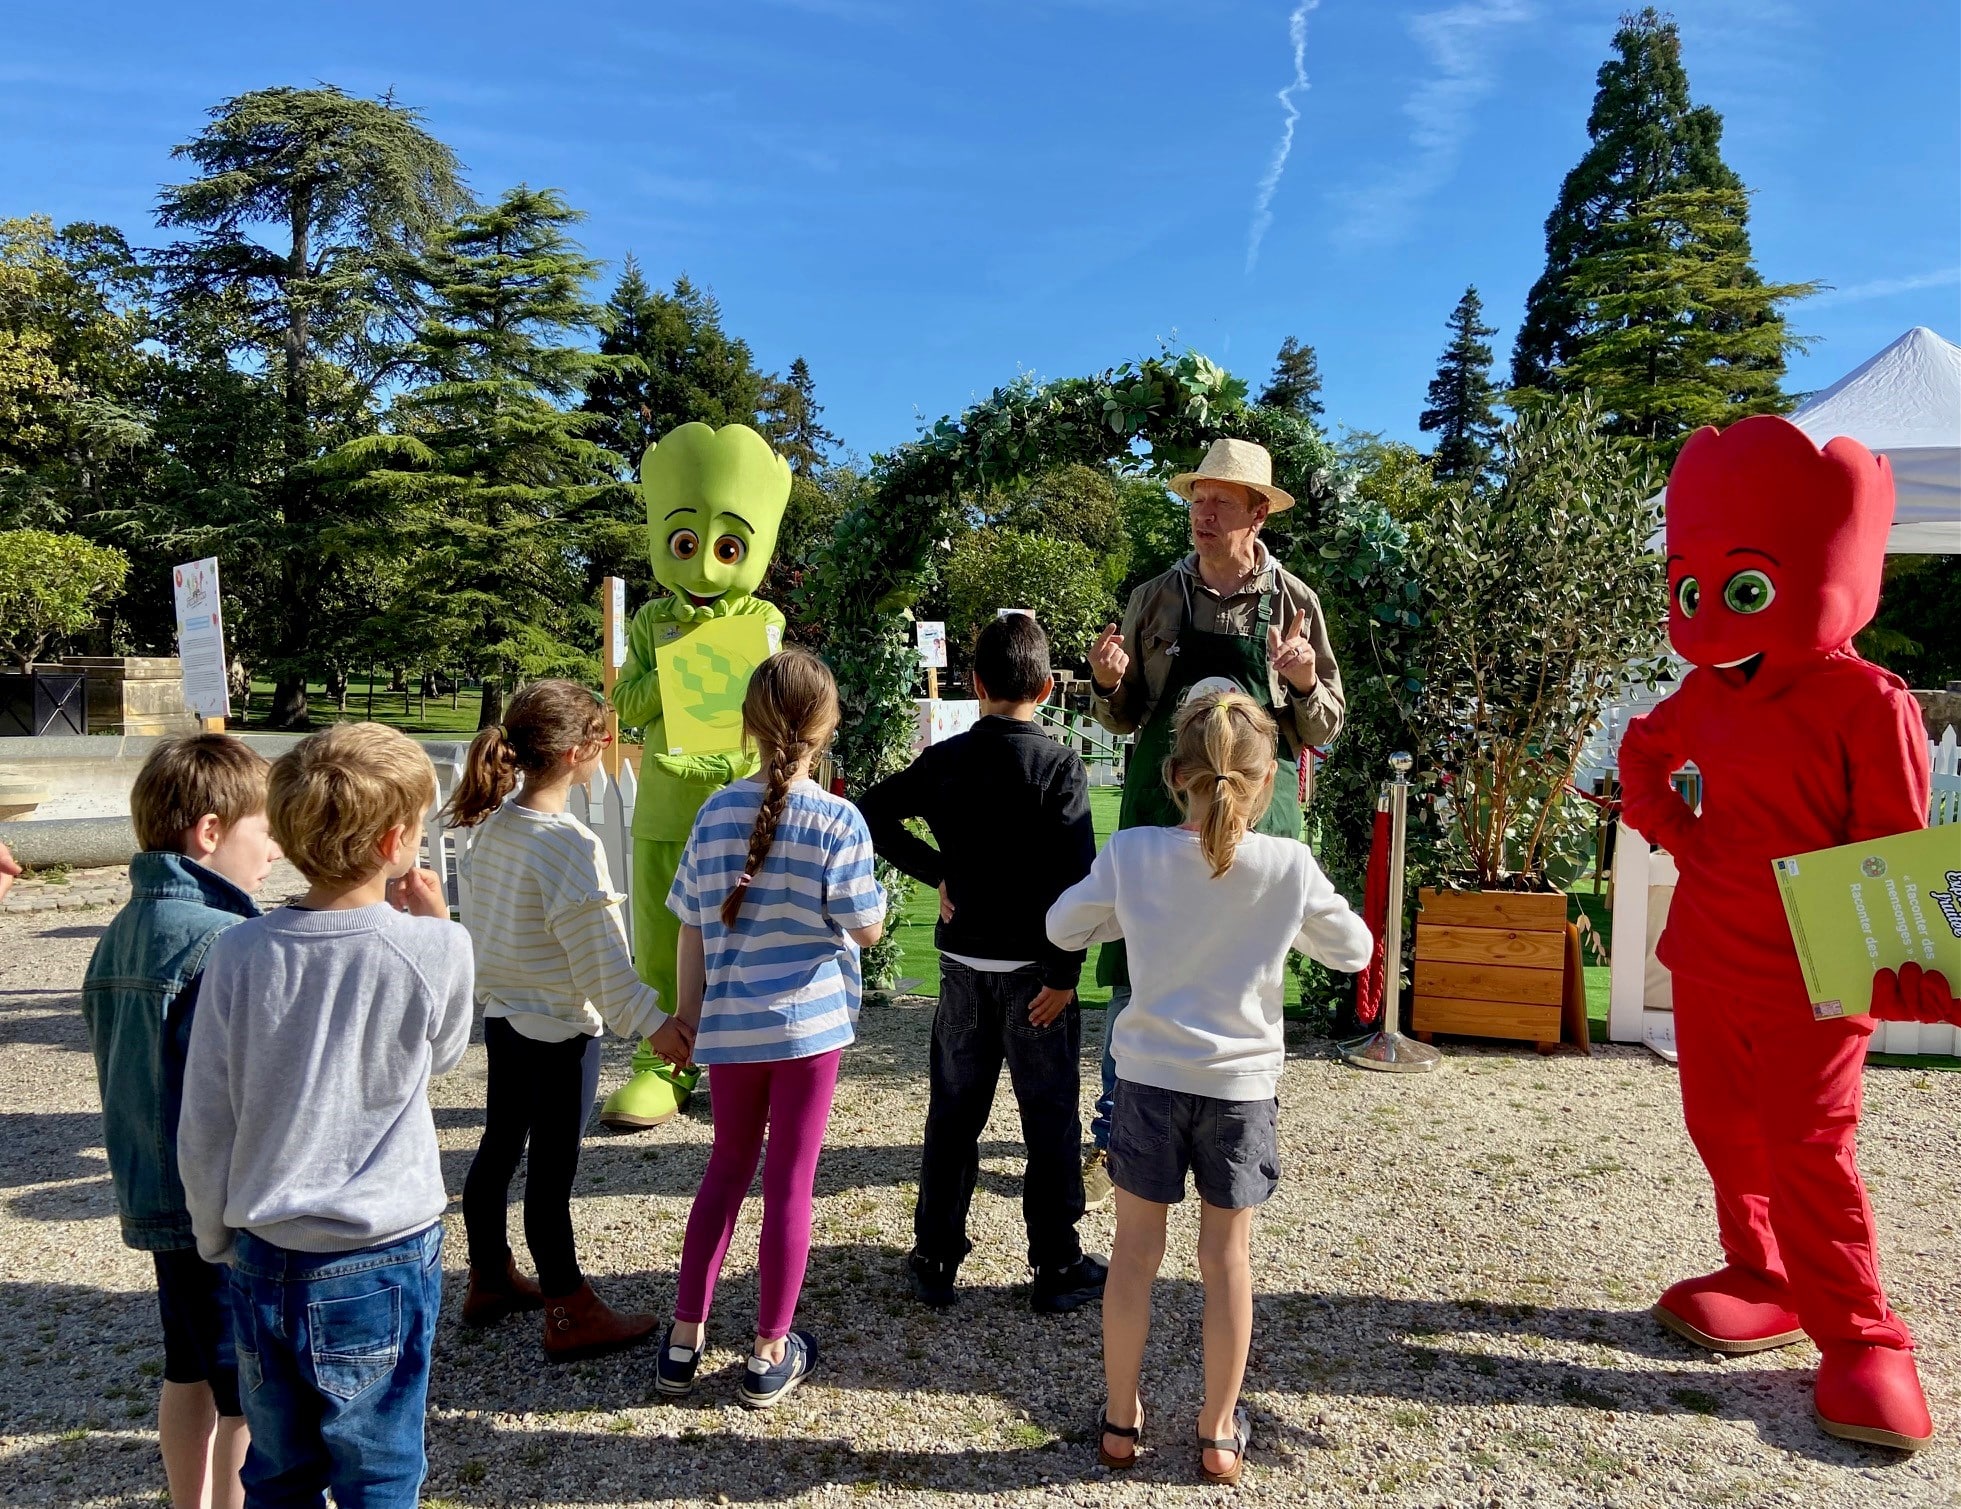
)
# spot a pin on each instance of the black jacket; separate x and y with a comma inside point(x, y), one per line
point(1009, 808)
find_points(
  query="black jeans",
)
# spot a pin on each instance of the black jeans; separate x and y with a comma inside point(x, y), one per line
point(537, 1093)
point(982, 1021)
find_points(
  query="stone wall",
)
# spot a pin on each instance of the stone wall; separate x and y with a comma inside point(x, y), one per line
point(1941, 709)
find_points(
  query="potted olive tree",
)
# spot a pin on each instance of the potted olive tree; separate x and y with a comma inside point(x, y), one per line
point(1544, 598)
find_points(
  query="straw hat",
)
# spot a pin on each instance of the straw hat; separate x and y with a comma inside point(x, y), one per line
point(1238, 461)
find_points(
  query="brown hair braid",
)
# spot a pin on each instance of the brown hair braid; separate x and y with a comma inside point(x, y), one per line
point(1222, 765)
point(789, 713)
point(541, 723)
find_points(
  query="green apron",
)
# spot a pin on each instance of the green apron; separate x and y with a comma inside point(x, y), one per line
point(1147, 800)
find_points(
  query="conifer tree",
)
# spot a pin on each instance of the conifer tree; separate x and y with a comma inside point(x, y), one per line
point(1652, 199)
point(1296, 380)
point(679, 365)
point(485, 472)
point(792, 420)
point(307, 215)
point(1461, 396)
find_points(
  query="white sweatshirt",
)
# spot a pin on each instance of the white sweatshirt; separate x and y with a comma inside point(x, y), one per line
point(545, 921)
point(1207, 957)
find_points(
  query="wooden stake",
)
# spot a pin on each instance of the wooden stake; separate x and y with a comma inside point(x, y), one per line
point(932, 683)
point(612, 634)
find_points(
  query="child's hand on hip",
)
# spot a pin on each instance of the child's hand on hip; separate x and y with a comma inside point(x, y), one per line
point(1049, 1003)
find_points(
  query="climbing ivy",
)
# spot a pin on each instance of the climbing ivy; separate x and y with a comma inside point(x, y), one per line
point(1158, 415)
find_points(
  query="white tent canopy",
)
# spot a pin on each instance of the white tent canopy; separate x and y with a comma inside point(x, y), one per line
point(1905, 404)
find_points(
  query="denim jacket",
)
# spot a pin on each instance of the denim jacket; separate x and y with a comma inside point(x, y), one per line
point(137, 999)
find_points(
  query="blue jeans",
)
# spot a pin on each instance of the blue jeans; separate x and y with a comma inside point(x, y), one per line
point(1106, 1103)
point(333, 1370)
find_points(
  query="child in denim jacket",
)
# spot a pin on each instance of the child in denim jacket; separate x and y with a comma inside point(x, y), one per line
point(199, 807)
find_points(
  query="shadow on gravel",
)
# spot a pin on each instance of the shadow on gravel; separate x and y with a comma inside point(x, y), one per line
point(875, 1340)
point(45, 1147)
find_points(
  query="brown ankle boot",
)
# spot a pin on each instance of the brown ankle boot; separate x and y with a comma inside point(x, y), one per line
point(583, 1325)
point(495, 1294)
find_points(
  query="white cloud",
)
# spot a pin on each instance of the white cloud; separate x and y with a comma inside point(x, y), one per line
point(1263, 196)
point(1459, 44)
point(1884, 288)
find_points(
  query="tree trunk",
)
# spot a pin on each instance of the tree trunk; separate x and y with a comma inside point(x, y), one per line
point(395, 678)
point(289, 709)
point(337, 687)
point(493, 704)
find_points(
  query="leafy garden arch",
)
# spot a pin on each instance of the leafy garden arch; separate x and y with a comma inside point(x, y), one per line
point(1159, 414)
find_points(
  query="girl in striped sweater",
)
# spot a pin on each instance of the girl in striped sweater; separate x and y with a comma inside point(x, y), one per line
point(776, 895)
point(553, 970)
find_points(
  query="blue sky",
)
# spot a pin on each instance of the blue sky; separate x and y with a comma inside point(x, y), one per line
point(924, 199)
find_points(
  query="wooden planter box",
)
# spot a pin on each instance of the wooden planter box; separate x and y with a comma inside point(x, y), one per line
point(1499, 964)
point(134, 694)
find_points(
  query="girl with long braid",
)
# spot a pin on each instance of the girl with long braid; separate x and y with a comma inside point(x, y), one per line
point(775, 894)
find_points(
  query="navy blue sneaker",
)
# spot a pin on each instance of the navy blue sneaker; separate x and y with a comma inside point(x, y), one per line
point(931, 1280)
point(674, 1370)
point(766, 1384)
point(1057, 1291)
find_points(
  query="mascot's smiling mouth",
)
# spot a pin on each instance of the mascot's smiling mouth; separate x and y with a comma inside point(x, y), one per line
point(703, 602)
point(1740, 673)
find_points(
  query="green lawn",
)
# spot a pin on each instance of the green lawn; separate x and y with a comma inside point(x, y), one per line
point(434, 719)
point(915, 931)
point(921, 960)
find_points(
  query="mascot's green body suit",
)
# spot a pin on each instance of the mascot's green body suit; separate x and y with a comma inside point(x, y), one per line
point(715, 501)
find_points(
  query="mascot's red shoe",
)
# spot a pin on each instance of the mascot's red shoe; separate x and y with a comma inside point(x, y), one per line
point(1730, 1311)
point(1872, 1394)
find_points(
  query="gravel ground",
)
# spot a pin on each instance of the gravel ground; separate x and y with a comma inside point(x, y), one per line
point(1452, 1285)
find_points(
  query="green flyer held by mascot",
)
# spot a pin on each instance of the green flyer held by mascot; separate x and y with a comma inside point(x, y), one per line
point(715, 501)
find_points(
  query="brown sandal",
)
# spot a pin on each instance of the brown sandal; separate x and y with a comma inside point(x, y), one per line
point(1236, 1443)
point(1131, 1433)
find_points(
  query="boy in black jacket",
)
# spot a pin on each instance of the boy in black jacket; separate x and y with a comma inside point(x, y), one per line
point(1009, 809)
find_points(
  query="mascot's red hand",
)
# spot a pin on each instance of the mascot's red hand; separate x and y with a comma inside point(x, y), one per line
point(1914, 995)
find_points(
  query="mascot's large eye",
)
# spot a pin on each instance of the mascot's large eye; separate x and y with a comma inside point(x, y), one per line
point(684, 544)
point(729, 549)
point(1749, 592)
point(1688, 596)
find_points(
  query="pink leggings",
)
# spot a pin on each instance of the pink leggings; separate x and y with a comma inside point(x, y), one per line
point(792, 1099)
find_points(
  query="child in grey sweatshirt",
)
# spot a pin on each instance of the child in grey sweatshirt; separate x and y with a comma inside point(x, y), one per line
point(305, 1143)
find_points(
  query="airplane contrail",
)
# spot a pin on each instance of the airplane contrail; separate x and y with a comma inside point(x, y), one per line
point(1263, 197)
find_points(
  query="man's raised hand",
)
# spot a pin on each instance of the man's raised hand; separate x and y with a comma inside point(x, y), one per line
point(1292, 654)
point(1108, 660)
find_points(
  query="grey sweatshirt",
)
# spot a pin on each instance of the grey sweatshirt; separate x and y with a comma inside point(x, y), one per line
point(306, 1110)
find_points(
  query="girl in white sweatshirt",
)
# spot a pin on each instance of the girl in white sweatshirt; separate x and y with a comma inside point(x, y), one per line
point(1209, 912)
point(553, 970)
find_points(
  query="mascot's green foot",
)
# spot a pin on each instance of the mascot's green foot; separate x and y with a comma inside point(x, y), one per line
point(650, 1098)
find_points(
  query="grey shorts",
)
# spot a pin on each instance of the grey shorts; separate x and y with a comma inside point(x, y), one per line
point(1230, 1147)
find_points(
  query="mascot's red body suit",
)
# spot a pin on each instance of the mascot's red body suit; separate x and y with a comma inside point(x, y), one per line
point(1774, 556)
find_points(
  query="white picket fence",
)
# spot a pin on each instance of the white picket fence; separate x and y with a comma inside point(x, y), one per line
point(605, 806)
point(1640, 1005)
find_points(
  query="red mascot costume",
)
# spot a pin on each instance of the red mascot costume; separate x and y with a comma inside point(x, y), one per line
point(1774, 556)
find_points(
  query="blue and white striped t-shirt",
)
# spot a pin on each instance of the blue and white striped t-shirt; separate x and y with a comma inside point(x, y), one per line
point(784, 983)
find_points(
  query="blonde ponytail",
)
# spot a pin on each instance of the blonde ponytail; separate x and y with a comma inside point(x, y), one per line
point(1221, 770)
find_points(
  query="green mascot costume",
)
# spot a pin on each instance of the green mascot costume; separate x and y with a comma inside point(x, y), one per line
point(715, 501)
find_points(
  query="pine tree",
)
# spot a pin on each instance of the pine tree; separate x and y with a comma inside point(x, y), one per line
point(1296, 380)
point(1625, 209)
point(790, 420)
point(1461, 396)
point(1683, 332)
point(350, 191)
point(485, 473)
point(679, 365)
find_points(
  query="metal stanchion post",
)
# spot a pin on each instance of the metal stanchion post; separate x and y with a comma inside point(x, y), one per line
point(1388, 1049)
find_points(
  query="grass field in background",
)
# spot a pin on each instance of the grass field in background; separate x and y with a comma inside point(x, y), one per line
point(408, 714)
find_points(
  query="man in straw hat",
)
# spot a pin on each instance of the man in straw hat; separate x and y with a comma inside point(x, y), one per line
point(1226, 615)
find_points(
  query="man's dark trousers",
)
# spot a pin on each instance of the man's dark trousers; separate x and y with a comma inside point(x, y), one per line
point(982, 1022)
